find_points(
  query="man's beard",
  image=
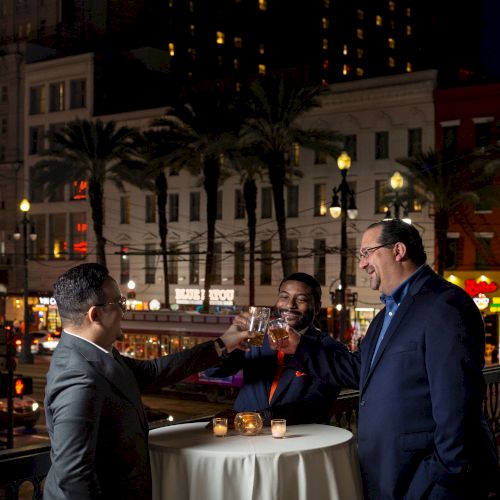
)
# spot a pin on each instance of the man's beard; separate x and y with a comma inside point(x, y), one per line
point(304, 319)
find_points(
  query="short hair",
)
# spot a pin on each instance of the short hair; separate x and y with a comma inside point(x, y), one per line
point(396, 230)
point(306, 279)
point(78, 289)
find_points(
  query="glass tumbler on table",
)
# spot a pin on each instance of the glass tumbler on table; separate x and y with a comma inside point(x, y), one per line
point(257, 324)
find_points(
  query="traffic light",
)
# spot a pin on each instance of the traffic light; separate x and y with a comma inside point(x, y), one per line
point(22, 386)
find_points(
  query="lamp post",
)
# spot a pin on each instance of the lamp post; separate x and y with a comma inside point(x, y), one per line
point(397, 183)
point(25, 356)
point(344, 209)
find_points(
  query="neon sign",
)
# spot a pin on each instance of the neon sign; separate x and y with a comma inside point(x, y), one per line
point(474, 288)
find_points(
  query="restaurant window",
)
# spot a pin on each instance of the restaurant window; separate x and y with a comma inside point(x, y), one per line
point(351, 146)
point(239, 263)
point(57, 236)
point(218, 213)
point(483, 134)
point(381, 145)
point(173, 263)
point(320, 261)
point(37, 100)
point(266, 262)
point(150, 205)
point(150, 264)
point(292, 250)
point(454, 252)
point(38, 246)
point(450, 140)
point(239, 204)
point(56, 96)
point(124, 209)
point(266, 203)
point(77, 93)
point(194, 264)
point(414, 141)
point(124, 265)
point(320, 207)
point(292, 201)
point(36, 140)
point(78, 235)
point(217, 269)
point(173, 207)
point(79, 190)
point(194, 206)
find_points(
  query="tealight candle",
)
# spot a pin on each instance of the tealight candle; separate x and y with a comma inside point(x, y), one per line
point(220, 426)
point(278, 427)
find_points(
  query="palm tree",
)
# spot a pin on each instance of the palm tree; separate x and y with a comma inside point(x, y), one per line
point(91, 151)
point(450, 183)
point(203, 130)
point(273, 128)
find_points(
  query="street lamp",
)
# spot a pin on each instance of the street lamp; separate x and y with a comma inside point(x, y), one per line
point(25, 356)
point(345, 208)
point(397, 183)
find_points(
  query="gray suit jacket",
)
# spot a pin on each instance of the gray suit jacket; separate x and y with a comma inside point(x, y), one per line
point(96, 421)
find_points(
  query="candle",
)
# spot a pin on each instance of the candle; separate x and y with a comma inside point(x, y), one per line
point(278, 427)
point(220, 426)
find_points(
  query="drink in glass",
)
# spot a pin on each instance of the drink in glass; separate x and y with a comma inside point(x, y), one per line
point(257, 324)
point(277, 329)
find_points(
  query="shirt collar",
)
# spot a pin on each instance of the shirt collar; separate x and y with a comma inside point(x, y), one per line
point(399, 293)
point(109, 353)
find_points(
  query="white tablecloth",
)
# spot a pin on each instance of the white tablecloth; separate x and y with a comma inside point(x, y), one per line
point(313, 462)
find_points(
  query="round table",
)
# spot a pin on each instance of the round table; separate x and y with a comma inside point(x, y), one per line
point(313, 462)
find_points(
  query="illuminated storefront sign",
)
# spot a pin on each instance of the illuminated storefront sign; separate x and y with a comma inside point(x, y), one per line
point(47, 301)
point(473, 288)
point(495, 305)
point(481, 301)
point(218, 296)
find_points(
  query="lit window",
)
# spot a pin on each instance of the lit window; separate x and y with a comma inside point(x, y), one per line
point(220, 60)
point(408, 11)
point(262, 69)
point(296, 154)
point(326, 4)
point(56, 96)
point(325, 23)
point(326, 65)
point(391, 42)
point(360, 53)
point(360, 13)
point(262, 4)
point(79, 190)
point(344, 50)
point(28, 29)
point(325, 44)
point(191, 29)
point(191, 6)
point(171, 49)
point(409, 67)
point(360, 71)
point(392, 62)
point(408, 30)
point(359, 34)
point(220, 38)
point(392, 6)
point(192, 53)
point(261, 49)
point(345, 69)
point(238, 42)
point(378, 20)
point(236, 64)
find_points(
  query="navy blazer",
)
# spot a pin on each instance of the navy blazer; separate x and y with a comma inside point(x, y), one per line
point(96, 421)
point(299, 397)
point(421, 429)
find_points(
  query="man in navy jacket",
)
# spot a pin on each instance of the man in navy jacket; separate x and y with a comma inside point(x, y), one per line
point(296, 396)
point(421, 429)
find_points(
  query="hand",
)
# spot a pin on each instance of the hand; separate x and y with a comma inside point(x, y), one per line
point(242, 320)
point(289, 345)
point(236, 338)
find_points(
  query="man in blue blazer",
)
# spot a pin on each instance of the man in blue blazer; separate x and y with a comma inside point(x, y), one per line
point(96, 421)
point(285, 393)
point(421, 429)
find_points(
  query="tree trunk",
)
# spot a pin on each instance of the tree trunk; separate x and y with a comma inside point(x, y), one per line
point(250, 194)
point(441, 224)
point(211, 174)
point(96, 207)
point(161, 203)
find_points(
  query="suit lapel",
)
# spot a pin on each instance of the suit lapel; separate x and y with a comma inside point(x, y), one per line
point(369, 344)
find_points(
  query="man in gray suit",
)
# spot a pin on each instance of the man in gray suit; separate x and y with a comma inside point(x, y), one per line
point(95, 417)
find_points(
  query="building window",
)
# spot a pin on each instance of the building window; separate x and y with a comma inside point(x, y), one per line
point(124, 209)
point(320, 207)
point(4, 94)
point(262, 69)
point(414, 141)
point(194, 206)
point(219, 38)
point(378, 20)
point(320, 157)
point(409, 67)
point(450, 140)
point(53, 129)
point(320, 261)
point(124, 265)
point(3, 127)
point(411, 195)
point(239, 204)
point(381, 145)
point(173, 207)
point(38, 246)
point(36, 140)
point(266, 203)
point(239, 263)
point(56, 96)
point(292, 201)
point(238, 42)
point(325, 23)
point(78, 235)
point(2, 152)
point(171, 49)
point(351, 146)
point(454, 253)
point(266, 262)
point(77, 90)
point(361, 14)
point(483, 134)
point(150, 215)
point(392, 6)
point(408, 30)
point(78, 190)
point(391, 62)
point(173, 264)
point(483, 252)
point(292, 263)
point(217, 269)
point(57, 236)
point(37, 100)
point(296, 154)
point(391, 43)
point(220, 199)
point(359, 34)
point(194, 264)
point(150, 263)
point(262, 4)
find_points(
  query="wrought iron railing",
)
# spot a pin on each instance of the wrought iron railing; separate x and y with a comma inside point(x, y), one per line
point(31, 464)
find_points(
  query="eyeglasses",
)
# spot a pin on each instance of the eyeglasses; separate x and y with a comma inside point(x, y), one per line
point(122, 302)
point(364, 253)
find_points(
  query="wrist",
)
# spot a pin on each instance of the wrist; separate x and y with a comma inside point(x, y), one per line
point(220, 347)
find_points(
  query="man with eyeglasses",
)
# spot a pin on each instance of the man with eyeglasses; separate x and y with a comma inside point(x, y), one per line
point(94, 413)
point(421, 429)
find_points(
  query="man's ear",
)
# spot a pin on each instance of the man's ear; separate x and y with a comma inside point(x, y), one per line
point(399, 250)
point(93, 314)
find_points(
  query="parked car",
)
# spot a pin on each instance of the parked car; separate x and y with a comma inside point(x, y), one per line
point(42, 342)
point(26, 412)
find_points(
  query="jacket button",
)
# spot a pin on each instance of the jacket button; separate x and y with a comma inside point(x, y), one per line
point(362, 402)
